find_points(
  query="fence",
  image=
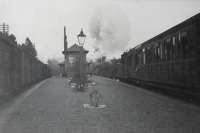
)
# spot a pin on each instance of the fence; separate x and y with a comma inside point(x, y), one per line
point(17, 68)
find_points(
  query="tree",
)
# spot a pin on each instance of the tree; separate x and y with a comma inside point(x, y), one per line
point(54, 67)
point(29, 48)
point(13, 38)
point(107, 68)
point(101, 60)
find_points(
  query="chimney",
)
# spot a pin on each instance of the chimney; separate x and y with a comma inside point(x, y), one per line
point(65, 42)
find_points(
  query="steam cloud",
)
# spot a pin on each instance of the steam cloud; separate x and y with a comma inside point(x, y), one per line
point(110, 29)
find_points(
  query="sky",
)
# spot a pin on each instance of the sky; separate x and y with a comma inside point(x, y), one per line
point(111, 26)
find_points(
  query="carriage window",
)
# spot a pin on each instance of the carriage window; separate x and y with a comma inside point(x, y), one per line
point(166, 49)
point(173, 47)
point(183, 42)
point(158, 51)
point(155, 54)
point(161, 51)
point(155, 51)
point(174, 41)
point(139, 58)
point(144, 56)
point(182, 35)
point(129, 60)
point(168, 40)
point(133, 60)
point(155, 48)
point(136, 59)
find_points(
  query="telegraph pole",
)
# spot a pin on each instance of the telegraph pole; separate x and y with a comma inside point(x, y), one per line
point(65, 42)
point(4, 28)
point(65, 52)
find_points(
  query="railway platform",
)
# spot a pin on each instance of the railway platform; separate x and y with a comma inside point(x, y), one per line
point(55, 107)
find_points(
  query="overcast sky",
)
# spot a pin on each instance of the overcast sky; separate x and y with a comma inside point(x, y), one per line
point(112, 26)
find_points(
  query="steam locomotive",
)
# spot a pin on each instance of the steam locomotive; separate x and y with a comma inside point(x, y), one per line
point(170, 59)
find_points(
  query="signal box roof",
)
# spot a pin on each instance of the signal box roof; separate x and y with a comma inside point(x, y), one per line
point(76, 48)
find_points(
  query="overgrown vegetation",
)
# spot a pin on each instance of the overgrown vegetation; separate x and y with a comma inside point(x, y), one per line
point(54, 67)
point(107, 68)
point(29, 48)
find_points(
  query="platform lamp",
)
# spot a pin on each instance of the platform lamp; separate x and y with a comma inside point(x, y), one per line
point(81, 40)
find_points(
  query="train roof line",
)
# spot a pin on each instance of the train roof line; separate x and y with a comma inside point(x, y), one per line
point(176, 27)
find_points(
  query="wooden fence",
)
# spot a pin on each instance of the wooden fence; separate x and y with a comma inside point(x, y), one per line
point(17, 68)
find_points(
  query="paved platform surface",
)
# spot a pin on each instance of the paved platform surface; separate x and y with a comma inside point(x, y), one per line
point(54, 107)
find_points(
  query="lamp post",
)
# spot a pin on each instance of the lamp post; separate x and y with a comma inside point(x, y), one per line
point(81, 40)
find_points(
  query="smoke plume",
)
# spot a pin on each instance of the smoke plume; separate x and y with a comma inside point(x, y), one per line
point(110, 29)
